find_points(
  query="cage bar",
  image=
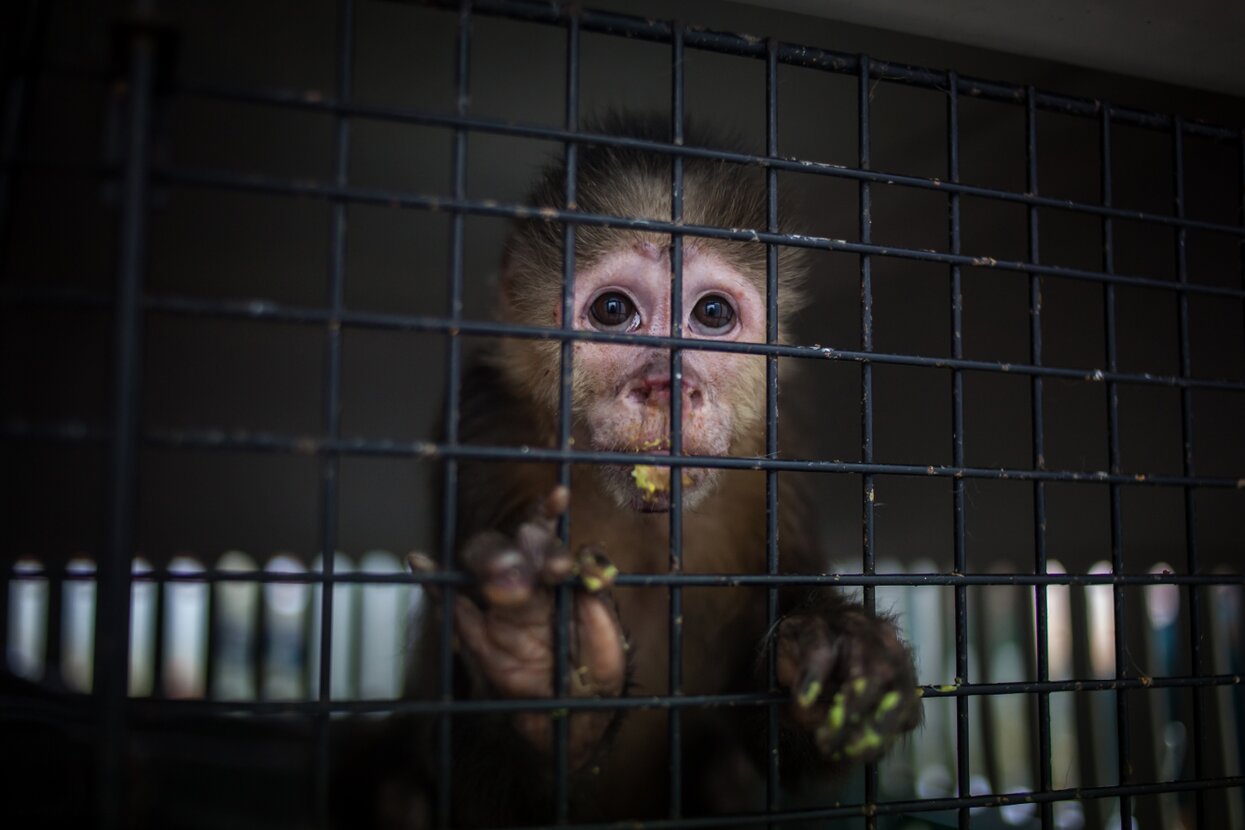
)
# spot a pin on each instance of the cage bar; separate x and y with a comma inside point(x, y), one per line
point(1190, 494)
point(773, 781)
point(675, 615)
point(960, 563)
point(453, 375)
point(1039, 462)
point(112, 615)
point(1123, 740)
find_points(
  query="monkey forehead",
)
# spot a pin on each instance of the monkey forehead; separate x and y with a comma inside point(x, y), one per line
point(643, 271)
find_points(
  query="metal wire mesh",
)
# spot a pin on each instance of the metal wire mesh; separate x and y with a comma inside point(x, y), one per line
point(144, 82)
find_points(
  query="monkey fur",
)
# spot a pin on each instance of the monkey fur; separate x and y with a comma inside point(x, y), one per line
point(849, 676)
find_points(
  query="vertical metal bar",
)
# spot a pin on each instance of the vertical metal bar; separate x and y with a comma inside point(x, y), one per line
point(330, 462)
point(773, 801)
point(563, 599)
point(53, 637)
point(1123, 740)
point(960, 565)
point(1039, 463)
point(112, 610)
point(453, 394)
point(1190, 493)
point(675, 721)
point(866, 382)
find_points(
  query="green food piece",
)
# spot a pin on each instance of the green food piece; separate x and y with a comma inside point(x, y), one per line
point(888, 702)
point(810, 693)
point(868, 740)
point(859, 685)
point(835, 718)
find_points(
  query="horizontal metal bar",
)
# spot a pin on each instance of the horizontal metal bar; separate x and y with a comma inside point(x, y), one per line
point(640, 28)
point(409, 200)
point(316, 102)
point(216, 439)
point(259, 309)
point(650, 580)
point(914, 806)
point(633, 702)
point(792, 54)
point(489, 207)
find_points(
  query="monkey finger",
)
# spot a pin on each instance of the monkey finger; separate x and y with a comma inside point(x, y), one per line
point(506, 576)
point(558, 566)
point(806, 653)
point(599, 652)
point(893, 712)
point(421, 563)
point(596, 571)
point(556, 502)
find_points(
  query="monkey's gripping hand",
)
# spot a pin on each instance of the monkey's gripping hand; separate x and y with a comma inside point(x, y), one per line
point(506, 628)
point(852, 683)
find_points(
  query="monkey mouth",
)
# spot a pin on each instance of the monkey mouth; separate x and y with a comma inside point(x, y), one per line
point(648, 488)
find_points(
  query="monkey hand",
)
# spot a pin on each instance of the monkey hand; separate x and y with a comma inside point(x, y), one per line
point(851, 680)
point(506, 627)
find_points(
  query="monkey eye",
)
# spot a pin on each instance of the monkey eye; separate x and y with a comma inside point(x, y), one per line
point(614, 310)
point(714, 313)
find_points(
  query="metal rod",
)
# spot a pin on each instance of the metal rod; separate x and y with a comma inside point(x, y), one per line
point(1193, 564)
point(868, 495)
point(699, 580)
point(562, 594)
point(773, 779)
point(112, 610)
point(675, 616)
point(487, 207)
point(330, 463)
point(453, 393)
point(259, 310)
point(960, 564)
point(73, 432)
point(1118, 608)
point(1039, 462)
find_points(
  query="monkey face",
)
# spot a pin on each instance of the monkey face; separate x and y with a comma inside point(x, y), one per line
point(622, 393)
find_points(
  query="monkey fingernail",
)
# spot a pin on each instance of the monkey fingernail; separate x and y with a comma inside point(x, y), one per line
point(420, 563)
point(558, 568)
point(557, 502)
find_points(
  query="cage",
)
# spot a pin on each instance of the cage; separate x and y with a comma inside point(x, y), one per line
point(249, 250)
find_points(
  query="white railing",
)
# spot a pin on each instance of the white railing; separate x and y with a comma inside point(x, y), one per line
point(266, 647)
point(369, 629)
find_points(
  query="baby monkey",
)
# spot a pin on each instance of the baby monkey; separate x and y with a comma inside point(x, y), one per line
point(849, 676)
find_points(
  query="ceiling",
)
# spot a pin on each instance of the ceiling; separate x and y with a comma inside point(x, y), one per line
point(1195, 43)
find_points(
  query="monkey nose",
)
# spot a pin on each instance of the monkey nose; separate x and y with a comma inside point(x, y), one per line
point(655, 390)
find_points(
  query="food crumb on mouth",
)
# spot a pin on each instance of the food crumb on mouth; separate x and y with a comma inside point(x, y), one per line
point(651, 481)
